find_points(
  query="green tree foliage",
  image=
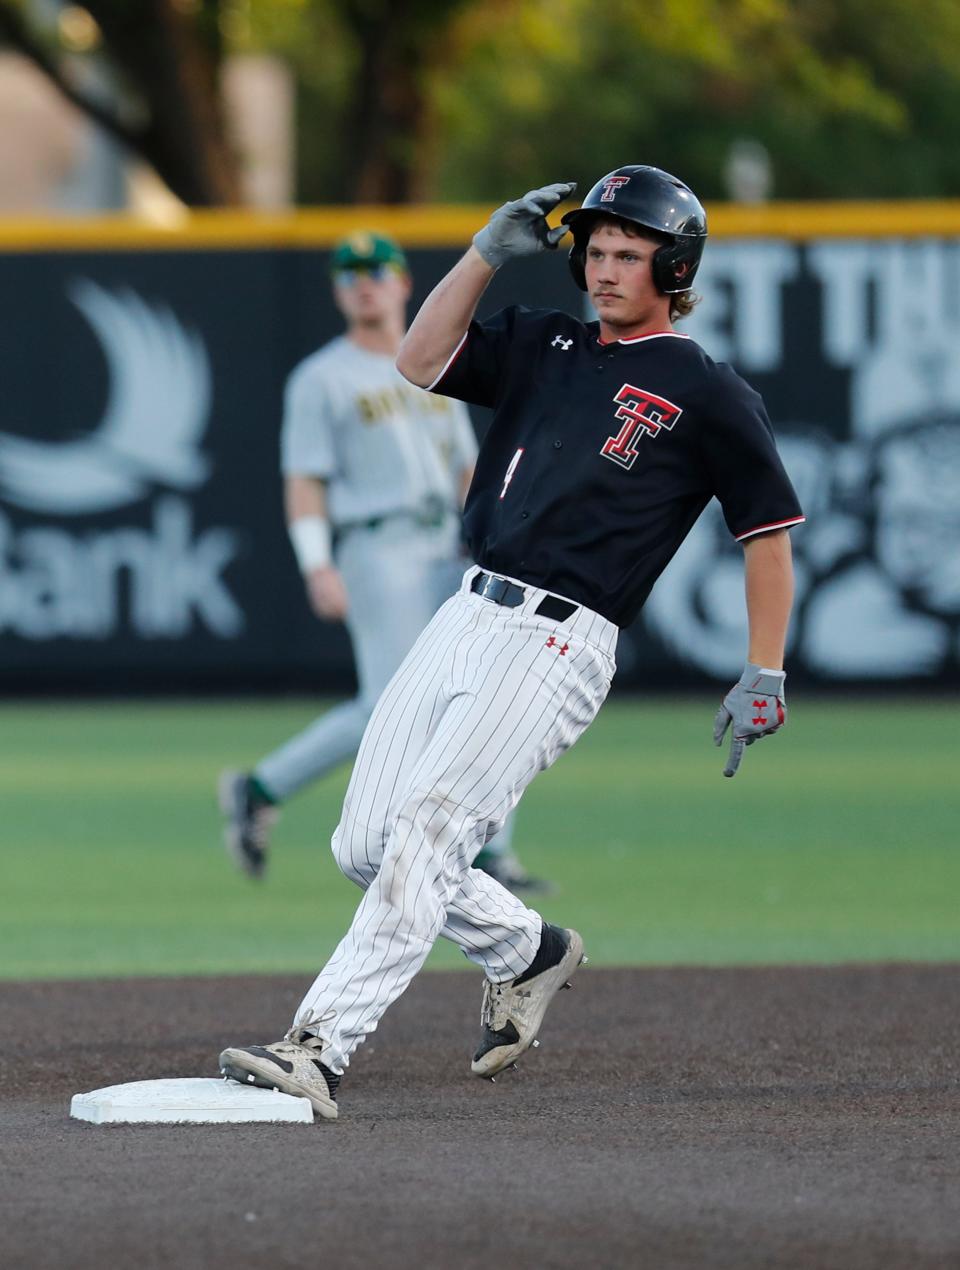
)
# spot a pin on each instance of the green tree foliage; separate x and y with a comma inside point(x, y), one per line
point(851, 98)
point(477, 100)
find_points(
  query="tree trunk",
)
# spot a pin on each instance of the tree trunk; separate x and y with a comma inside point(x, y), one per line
point(172, 60)
point(387, 114)
point(167, 107)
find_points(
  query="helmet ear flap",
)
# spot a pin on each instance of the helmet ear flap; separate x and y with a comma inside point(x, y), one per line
point(662, 268)
point(577, 260)
point(674, 265)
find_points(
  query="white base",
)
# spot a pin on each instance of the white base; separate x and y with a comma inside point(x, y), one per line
point(197, 1101)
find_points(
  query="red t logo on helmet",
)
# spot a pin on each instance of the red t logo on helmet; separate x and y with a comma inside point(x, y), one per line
point(610, 187)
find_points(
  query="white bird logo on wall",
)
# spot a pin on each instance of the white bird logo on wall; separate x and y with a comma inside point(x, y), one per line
point(156, 412)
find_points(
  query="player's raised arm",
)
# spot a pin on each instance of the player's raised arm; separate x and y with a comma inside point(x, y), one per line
point(444, 316)
point(519, 228)
point(755, 706)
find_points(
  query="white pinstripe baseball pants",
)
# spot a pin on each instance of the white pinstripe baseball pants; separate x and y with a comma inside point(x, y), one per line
point(488, 697)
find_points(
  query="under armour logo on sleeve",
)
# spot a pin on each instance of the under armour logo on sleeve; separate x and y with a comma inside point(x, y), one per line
point(559, 342)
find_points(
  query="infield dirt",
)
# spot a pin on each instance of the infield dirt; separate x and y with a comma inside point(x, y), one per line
point(684, 1118)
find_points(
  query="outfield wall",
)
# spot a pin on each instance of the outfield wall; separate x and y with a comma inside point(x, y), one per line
point(141, 534)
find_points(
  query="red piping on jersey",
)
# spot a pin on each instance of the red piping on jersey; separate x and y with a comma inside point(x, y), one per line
point(635, 339)
point(450, 360)
point(779, 524)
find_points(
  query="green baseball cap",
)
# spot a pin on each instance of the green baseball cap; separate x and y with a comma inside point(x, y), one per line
point(364, 250)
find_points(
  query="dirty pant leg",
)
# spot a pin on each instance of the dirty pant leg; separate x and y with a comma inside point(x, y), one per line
point(471, 771)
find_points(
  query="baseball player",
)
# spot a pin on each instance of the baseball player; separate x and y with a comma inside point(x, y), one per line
point(375, 474)
point(607, 441)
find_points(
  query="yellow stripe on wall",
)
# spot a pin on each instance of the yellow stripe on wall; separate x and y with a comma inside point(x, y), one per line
point(444, 226)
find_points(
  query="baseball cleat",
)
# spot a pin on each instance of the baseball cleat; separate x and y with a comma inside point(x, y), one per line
point(512, 1013)
point(246, 834)
point(291, 1066)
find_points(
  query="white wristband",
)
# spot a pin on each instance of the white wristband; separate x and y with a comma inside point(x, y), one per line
point(310, 536)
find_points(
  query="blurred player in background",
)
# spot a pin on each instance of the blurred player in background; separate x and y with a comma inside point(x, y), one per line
point(375, 471)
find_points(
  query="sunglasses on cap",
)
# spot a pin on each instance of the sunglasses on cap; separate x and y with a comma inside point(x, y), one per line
point(376, 273)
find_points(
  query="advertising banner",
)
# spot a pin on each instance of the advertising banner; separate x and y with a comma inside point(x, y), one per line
point(854, 346)
point(142, 543)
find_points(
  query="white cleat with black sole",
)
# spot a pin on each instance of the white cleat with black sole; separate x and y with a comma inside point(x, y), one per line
point(512, 1013)
point(291, 1066)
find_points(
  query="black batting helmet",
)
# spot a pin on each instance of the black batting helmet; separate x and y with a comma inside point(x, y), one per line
point(656, 200)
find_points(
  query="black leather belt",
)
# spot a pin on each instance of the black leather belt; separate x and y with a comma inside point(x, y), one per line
point(511, 596)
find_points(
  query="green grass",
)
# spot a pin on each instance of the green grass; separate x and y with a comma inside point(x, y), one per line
point(838, 841)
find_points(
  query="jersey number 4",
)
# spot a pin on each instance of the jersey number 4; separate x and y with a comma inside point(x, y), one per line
point(641, 412)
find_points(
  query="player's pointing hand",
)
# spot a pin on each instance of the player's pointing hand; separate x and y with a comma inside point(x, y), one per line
point(755, 707)
point(520, 228)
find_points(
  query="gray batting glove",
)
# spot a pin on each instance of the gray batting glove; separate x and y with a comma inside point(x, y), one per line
point(520, 228)
point(755, 706)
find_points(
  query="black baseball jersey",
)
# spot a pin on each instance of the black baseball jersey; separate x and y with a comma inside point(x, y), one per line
point(601, 456)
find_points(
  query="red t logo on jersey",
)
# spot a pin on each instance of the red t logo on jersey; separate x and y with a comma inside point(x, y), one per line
point(610, 187)
point(641, 412)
